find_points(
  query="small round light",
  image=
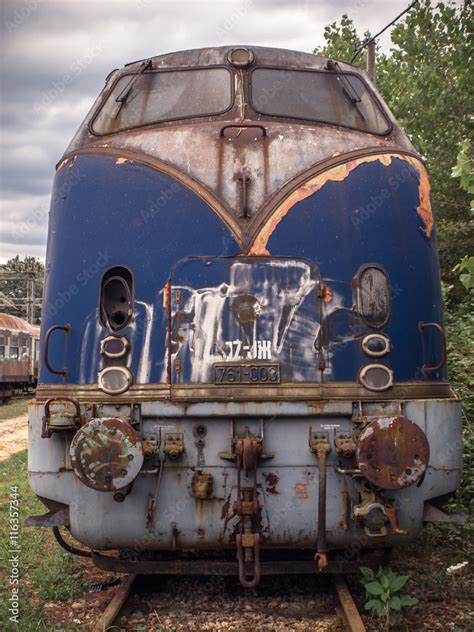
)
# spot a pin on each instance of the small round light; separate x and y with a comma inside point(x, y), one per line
point(113, 347)
point(240, 57)
point(114, 380)
point(375, 345)
point(376, 377)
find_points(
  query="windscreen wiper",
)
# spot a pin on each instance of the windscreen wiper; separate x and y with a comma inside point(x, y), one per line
point(123, 96)
point(347, 88)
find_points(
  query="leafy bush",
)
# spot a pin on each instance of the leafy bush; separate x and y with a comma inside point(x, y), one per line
point(382, 591)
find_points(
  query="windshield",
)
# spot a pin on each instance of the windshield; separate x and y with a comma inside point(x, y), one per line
point(139, 99)
point(338, 98)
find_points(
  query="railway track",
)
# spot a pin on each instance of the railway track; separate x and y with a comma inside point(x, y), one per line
point(16, 396)
point(345, 616)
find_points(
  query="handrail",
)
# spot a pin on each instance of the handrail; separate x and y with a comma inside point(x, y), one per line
point(67, 330)
point(426, 370)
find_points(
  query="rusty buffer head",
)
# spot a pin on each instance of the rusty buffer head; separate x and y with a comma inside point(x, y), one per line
point(106, 454)
point(392, 452)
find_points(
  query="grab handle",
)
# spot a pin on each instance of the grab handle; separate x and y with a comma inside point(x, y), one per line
point(237, 126)
point(67, 330)
point(426, 370)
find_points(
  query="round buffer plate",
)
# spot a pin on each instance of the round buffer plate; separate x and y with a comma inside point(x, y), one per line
point(392, 452)
point(106, 454)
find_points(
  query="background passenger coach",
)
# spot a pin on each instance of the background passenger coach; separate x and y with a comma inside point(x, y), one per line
point(257, 373)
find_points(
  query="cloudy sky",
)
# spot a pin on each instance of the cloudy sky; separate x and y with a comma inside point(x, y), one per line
point(55, 55)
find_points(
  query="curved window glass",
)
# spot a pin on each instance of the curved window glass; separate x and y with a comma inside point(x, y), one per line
point(329, 97)
point(151, 97)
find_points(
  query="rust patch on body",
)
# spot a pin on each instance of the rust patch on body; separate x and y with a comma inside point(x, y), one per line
point(338, 174)
point(301, 489)
point(272, 481)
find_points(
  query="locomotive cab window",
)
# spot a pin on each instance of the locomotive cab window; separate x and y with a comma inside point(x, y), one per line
point(116, 298)
point(336, 98)
point(154, 97)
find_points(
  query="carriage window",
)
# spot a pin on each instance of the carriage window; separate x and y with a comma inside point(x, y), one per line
point(152, 97)
point(14, 347)
point(2, 347)
point(342, 99)
point(24, 347)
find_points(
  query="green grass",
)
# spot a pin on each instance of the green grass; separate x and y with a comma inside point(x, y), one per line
point(14, 409)
point(46, 572)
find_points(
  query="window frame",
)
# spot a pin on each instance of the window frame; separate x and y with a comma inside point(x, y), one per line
point(109, 92)
point(372, 94)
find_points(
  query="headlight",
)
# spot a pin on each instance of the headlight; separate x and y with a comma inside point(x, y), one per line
point(375, 345)
point(114, 380)
point(114, 347)
point(376, 377)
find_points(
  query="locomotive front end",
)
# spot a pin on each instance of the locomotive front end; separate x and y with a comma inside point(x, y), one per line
point(242, 345)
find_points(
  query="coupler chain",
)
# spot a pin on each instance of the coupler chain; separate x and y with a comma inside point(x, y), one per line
point(320, 446)
point(247, 452)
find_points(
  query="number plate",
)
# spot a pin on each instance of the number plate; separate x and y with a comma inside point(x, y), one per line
point(246, 374)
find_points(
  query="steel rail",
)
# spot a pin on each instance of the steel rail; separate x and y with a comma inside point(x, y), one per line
point(347, 610)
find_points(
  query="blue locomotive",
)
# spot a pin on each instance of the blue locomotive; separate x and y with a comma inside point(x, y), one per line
point(243, 351)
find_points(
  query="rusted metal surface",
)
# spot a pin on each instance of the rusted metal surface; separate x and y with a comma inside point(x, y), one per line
point(114, 607)
point(248, 508)
point(17, 369)
point(106, 454)
point(320, 446)
point(178, 566)
point(202, 484)
point(251, 171)
point(53, 518)
point(433, 514)
point(348, 610)
point(16, 324)
point(238, 173)
point(67, 330)
point(209, 392)
point(425, 369)
point(60, 415)
point(392, 452)
point(338, 174)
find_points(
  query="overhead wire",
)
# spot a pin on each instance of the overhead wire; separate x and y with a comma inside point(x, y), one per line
point(360, 48)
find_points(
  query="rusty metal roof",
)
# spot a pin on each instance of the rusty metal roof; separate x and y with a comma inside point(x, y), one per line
point(14, 323)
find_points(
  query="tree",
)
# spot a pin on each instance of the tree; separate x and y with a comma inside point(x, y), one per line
point(425, 81)
point(15, 291)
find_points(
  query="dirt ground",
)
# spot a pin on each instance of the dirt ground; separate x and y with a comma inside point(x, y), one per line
point(13, 436)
